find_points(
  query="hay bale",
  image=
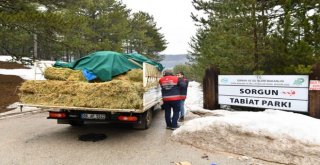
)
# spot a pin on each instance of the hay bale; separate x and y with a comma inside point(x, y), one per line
point(66, 87)
point(63, 74)
point(66, 74)
point(135, 75)
point(121, 77)
point(115, 94)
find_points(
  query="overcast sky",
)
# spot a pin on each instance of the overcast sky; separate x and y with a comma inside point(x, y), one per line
point(173, 16)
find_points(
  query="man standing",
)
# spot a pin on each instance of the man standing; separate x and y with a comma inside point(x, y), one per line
point(170, 89)
point(183, 94)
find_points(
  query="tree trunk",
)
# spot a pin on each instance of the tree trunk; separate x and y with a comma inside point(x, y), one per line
point(210, 88)
point(314, 95)
point(255, 37)
point(35, 47)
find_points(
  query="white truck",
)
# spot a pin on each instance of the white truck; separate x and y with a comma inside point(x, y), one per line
point(140, 118)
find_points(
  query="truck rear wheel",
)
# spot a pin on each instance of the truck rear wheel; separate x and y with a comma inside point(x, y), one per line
point(145, 120)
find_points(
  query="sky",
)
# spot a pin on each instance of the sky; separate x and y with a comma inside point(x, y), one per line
point(173, 17)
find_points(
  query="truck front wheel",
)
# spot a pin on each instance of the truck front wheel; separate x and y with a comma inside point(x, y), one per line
point(145, 120)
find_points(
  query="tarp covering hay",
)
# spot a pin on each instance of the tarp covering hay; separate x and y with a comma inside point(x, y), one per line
point(115, 94)
point(67, 87)
point(108, 64)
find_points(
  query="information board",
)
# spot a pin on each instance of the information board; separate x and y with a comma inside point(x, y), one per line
point(286, 92)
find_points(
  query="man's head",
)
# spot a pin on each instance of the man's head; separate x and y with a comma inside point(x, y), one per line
point(168, 72)
point(180, 74)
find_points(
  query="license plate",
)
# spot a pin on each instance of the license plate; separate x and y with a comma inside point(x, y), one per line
point(93, 116)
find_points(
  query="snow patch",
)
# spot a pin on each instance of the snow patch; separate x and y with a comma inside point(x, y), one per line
point(273, 135)
point(27, 74)
point(33, 73)
point(270, 122)
point(260, 137)
point(194, 99)
point(5, 58)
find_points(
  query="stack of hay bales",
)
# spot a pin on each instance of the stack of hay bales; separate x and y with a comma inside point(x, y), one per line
point(63, 74)
point(67, 87)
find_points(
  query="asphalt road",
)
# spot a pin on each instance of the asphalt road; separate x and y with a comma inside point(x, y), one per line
point(33, 139)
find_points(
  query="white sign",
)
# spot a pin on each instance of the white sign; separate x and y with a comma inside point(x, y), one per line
point(286, 92)
point(292, 105)
point(265, 80)
point(265, 92)
point(314, 85)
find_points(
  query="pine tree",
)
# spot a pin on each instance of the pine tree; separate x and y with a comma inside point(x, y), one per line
point(256, 36)
point(70, 29)
point(144, 37)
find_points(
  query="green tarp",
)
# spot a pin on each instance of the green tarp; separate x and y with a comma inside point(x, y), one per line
point(106, 64)
point(141, 59)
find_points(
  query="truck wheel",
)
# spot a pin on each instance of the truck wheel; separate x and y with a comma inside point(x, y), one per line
point(76, 123)
point(145, 120)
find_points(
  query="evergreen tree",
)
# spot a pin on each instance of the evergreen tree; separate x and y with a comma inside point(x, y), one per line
point(256, 36)
point(72, 28)
point(144, 37)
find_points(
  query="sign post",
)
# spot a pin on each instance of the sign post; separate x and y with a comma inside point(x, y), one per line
point(314, 103)
point(210, 88)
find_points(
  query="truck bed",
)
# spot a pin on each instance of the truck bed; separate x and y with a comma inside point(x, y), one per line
point(84, 108)
point(150, 98)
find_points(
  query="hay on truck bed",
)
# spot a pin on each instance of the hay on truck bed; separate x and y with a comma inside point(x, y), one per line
point(123, 92)
point(64, 74)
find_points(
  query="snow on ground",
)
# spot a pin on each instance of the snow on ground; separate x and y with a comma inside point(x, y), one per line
point(5, 58)
point(272, 135)
point(34, 73)
point(27, 74)
point(195, 97)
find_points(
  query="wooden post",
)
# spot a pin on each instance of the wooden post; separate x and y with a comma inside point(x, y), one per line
point(314, 95)
point(210, 88)
point(35, 47)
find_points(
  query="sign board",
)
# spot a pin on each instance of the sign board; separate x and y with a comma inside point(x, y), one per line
point(314, 85)
point(286, 92)
point(265, 80)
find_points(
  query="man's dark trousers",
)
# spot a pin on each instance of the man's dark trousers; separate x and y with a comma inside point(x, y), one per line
point(175, 105)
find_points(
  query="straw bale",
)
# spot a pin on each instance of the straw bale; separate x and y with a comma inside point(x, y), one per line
point(121, 77)
point(151, 85)
point(135, 75)
point(115, 94)
point(64, 74)
point(66, 87)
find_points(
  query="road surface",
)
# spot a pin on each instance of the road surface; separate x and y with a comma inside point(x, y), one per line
point(33, 139)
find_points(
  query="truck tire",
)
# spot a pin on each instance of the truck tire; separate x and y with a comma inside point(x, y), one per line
point(145, 120)
point(76, 123)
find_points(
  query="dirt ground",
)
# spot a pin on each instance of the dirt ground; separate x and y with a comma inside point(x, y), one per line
point(9, 85)
point(11, 65)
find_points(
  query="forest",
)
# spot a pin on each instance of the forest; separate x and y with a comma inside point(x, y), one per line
point(69, 29)
point(236, 36)
point(255, 36)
